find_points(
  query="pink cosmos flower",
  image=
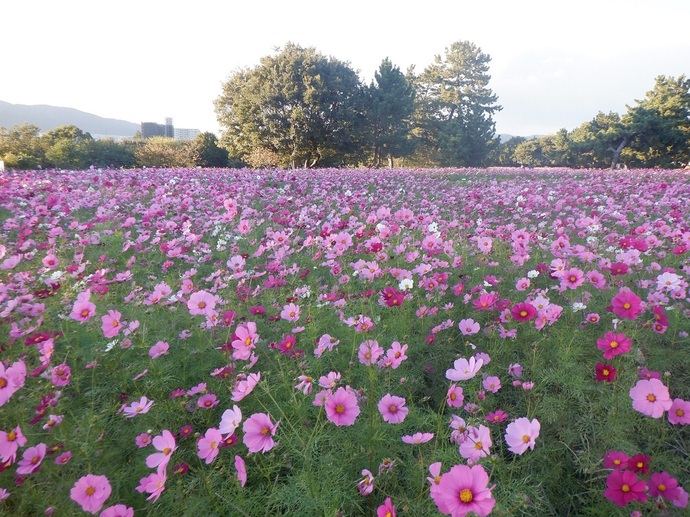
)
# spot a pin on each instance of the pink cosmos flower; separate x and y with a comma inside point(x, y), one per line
point(417, 438)
point(341, 407)
point(396, 353)
point(386, 509)
point(11, 380)
point(10, 443)
point(90, 492)
point(64, 458)
point(153, 484)
point(626, 304)
point(678, 413)
point(143, 440)
point(623, 487)
point(258, 432)
point(165, 444)
point(4, 494)
point(572, 278)
point(241, 468)
point(366, 485)
point(230, 420)
point(492, 384)
point(159, 349)
point(60, 375)
point(468, 327)
point(207, 401)
point(305, 384)
point(662, 484)
point(650, 397)
point(369, 352)
point(111, 324)
point(138, 408)
point(477, 443)
point(614, 344)
point(245, 386)
point(522, 434)
point(463, 490)
point(201, 303)
point(392, 409)
point(118, 510)
point(455, 396)
point(245, 339)
point(496, 417)
point(290, 312)
point(83, 309)
point(31, 459)
point(208, 445)
point(464, 369)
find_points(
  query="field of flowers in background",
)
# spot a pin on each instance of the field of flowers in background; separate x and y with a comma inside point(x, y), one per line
point(344, 342)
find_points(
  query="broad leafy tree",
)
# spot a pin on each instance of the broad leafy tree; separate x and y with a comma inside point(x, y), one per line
point(67, 147)
point(298, 104)
point(390, 105)
point(455, 106)
point(21, 146)
point(205, 151)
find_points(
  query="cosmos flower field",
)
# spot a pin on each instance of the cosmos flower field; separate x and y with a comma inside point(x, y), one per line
point(345, 342)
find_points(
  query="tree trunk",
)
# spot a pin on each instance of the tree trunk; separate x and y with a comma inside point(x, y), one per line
point(617, 152)
point(390, 161)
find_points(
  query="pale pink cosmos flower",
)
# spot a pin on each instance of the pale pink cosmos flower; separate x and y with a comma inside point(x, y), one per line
point(118, 510)
point(650, 397)
point(209, 444)
point(111, 324)
point(455, 396)
point(464, 369)
point(53, 420)
point(305, 384)
point(369, 352)
point(138, 408)
point(64, 458)
point(201, 303)
point(290, 312)
point(207, 401)
point(230, 420)
point(492, 384)
point(60, 375)
point(4, 494)
point(396, 353)
point(341, 407)
point(258, 432)
point(245, 340)
point(10, 443)
point(392, 409)
point(165, 445)
point(468, 327)
point(417, 438)
point(90, 492)
point(31, 459)
point(522, 434)
point(161, 348)
point(241, 468)
point(477, 443)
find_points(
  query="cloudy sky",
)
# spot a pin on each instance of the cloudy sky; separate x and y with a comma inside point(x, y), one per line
point(554, 64)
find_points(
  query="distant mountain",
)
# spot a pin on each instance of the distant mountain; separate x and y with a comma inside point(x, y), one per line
point(505, 137)
point(49, 117)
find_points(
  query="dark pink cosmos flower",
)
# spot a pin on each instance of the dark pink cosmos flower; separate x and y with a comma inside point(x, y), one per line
point(604, 372)
point(626, 304)
point(523, 311)
point(614, 344)
point(615, 460)
point(623, 486)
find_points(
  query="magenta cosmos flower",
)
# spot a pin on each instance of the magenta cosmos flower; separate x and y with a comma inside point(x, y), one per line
point(386, 509)
point(341, 407)
point(392, 409)
point(90, 492)
point(258, 432)
point(523, 311)
point(650, 397)
point(662, 484)
point(615, 460)
point(626, 304)
point(522, 434)
point(622, 486)
point(613, 344)
point(463, 490)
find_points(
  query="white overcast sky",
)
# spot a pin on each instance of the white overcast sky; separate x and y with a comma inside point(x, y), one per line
point(554, 64)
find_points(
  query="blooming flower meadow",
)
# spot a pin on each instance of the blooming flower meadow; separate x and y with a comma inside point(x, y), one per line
point(344, 342)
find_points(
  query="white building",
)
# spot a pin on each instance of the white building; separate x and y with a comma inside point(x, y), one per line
point(186, 134)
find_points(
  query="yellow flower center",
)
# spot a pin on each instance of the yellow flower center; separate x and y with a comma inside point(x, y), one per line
point(166, 451)
point(340, 409)
point(651, 397)
point(466, 495)
point(90, 491)
point(265, 431)
point(680, 412)
point(523, 314)
point(3, 382)
point(479, 446)
point(525, 438)
point(662, 487)
point(393, 409)
point(625, 488)
point(614, 344)
point(626, 306)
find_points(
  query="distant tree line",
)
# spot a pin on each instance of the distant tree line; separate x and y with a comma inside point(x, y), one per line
point(67, 147)
point(299, 108)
